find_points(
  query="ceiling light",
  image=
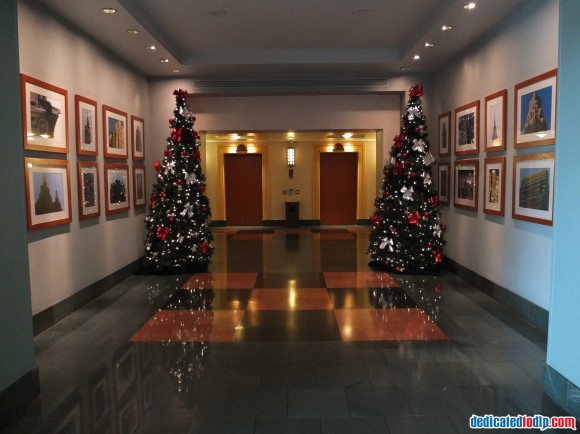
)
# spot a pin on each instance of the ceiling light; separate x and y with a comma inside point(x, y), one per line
point(176, 70)
point(133, 31)
point(110, 10)
point(164, 60)
point(445, 28)
point(468, 6)
point(429, 44)
point(347, 135)
point(416, 57)
point(405, 68)
point(235, 136)
point(151, 47)
point(218, 13)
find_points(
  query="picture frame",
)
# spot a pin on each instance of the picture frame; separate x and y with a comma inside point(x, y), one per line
point(535, 111)
point(115, 138)
point(138, 186)
point(116, 188)
point(444, 134)
point(467, 129)
point(44, 116)
point(86, 126)
point(47, 183)
point(88, 189)
point(494, 185)
point(466, 184)
point(443, 183)
point(137, 138)
point(533, 188)
point(495, 121)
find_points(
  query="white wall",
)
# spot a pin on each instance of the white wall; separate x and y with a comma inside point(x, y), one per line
point(514, 254)
point(66, 259)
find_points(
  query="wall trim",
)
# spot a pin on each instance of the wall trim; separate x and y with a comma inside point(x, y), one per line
point(563, 392)
point(363, 222)
point(525, 308)
point(50, 316)
point(14, 400)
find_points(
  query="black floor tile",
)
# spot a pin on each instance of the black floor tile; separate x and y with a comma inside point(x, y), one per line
point(287, 426)
point(377, 402)
point(317, 403)
point(359, 425)
point(419, 425)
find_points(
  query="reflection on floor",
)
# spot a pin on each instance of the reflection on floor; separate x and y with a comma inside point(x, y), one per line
point(290, 332)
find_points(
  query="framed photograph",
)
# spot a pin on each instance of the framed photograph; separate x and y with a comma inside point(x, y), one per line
point(44, 116)
point(443, 183)
point(86, 126)
point(47, 193)
point(115, 133)
point(535, 111)
point(467, 129)
point(494, 185)
point(533, 188)
point(88, 187)
point(495, 121)
point(116, 188)
point(138, 138)
point(444, 134)
point(139, 186)
point(466, 184)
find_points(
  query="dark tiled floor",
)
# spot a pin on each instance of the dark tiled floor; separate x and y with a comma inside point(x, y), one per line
point(290, 333)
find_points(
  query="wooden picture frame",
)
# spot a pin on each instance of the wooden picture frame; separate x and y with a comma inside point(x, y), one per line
point(47, 185)
point(495, 121)
point(443, 183)
point(535, 111)
point(89, 191)
point(138, 186)
point(115, 138)
point(494, 185)
point(466, 184)
point(467, 129)
point(44, 116)
point(137, 138)
point(116, 188)
point(444, 134)
point(533, 188)
point(87, 132)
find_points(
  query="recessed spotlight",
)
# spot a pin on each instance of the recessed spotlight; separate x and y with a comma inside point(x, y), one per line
point(361, 11)
point(445, 28)
point(109, 10)
point(416, 57)
point(429, 44)
point(235, 136)
point(405, 68)
point(347, 135)
point(218, 13)
point(164, 60)
point(151, 47)
point(133, 31)
point(468, 6)
point(176, 70)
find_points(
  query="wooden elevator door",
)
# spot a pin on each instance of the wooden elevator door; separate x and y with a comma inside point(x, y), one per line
point(243, 173)
point(338, 188)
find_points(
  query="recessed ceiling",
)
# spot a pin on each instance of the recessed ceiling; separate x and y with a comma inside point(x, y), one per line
point(324, 136)
point(282, 39)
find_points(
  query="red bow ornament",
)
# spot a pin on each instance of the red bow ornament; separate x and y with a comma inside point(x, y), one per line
point(162, 232)
point(399, 168)
point(180, 93)
point(437, 257)
point(376, 219)
point(414, 218)
point(416, 91)
point(157, 166)
point(434, 201)
point(204, 247)
point(176, 134)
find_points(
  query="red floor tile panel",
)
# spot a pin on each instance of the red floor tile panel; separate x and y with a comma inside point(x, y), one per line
point(289, 299)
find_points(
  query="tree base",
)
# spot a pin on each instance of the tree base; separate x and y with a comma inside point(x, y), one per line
point(380, 266)
point(191, 268)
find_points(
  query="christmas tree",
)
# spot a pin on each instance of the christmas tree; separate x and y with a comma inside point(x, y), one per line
point(178, 238)
point(406, 236)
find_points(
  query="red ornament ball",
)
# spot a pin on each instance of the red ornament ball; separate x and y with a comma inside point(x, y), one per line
point(179, 181)
point(405, 155)
point(171, 219)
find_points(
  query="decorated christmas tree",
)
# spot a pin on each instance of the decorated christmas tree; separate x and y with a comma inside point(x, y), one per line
point(178, 238)
point(406, 236)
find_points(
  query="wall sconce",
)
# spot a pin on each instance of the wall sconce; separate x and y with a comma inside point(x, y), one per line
point(241, 149)
point(338, 147)
point(290, 159)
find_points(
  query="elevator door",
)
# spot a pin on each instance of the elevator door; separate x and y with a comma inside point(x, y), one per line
point(243, 175)
point(338, 188)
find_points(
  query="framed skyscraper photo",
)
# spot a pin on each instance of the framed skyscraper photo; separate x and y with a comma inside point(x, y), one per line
point(535, 111)
point(495, 121)
point(115, 139)
point(86, 126)
point(47, 193)
point(533, 188)
point(494, 185)
point(444, 134)
point(466, 184)
point(116, 188)
point(138, 138)
point(467, 129)
point(89, 189)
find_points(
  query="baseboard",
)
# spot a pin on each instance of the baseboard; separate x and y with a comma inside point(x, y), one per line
point(363, 222)
point(50, 316)
point(217, 224)
point(563, 392)
point(14, 400)
point(525, 308)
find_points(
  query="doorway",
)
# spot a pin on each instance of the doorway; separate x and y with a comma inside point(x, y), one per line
point(338, 188)
point(243, 181)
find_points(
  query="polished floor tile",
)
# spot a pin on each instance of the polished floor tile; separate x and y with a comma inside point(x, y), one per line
point(289, 299)
point(221, 281)
point(364, 279)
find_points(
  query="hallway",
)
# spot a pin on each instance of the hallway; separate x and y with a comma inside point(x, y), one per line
point(291, 332)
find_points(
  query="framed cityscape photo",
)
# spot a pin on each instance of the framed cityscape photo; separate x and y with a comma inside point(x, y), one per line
point(444, 134)
point(466, 184)
point(88, 187)
point(44, 116)
point(533, 188)
point(495, 121)
point(116, 188)
point(86, 126)
point(467, 129)
point(138, 138)
point(138, 186)
point(115, 133)
point(494, 185)
point(47, 193)
point(443, 186)
point(535, 111)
